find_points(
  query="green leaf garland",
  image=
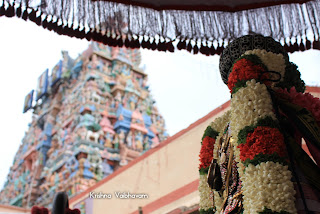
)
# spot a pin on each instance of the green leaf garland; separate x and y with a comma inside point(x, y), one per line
point(263, 158)
point(204, 171)
point(239, 84)
point(292, 78)
point(210, 132)
point(266, 121)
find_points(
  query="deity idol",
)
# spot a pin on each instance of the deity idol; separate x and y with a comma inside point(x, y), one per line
point(251, 159)
point(94, 63)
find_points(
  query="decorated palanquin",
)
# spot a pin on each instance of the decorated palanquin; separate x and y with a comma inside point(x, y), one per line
point(251, 159)
point(92, 115)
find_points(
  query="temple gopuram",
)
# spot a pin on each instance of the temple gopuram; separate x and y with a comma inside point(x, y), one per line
point(91, 115)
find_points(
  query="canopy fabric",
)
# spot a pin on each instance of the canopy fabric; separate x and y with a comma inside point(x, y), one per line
point(205, 5)
point(206, 31)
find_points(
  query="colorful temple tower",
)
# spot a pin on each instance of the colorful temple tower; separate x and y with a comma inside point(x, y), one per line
point(92, 115)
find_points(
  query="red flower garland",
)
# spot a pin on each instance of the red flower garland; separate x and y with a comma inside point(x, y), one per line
point(263, 140)
point(206, 152)
point(43, 210)
point(39, 210)
point(305, 100)
point(244, 69)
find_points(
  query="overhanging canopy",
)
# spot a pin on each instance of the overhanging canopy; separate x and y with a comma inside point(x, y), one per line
point(205, 5)
point(196, 25)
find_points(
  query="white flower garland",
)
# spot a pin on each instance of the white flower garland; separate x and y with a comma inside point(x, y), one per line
point(218, 201)
point(220, 123)
point(268, 185)
point(248, 105)
point(206, 201)
point(273, 61)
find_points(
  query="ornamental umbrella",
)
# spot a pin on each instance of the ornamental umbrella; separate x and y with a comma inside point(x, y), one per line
point(198, 26)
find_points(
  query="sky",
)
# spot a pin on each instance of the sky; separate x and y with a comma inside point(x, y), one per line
point(186, 87)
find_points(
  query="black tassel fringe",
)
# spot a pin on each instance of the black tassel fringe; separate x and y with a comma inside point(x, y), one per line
point(130, 42)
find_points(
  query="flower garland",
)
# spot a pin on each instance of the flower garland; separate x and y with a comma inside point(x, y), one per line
point(245, 69)
point(207, 144)
point(290, 76)
point(206, 154)
point(248, 105)
point(220, 123)
point(268, 185)
point(206, 200)
point(264, 61)
point(266, 180)
point(209, 138)
point(274, 62)
point(257, 140)
point(305, 100)
point(263, 140)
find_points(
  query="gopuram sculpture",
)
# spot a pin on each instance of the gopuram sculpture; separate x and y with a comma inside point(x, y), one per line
point(251, 159)
point(87, 122)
